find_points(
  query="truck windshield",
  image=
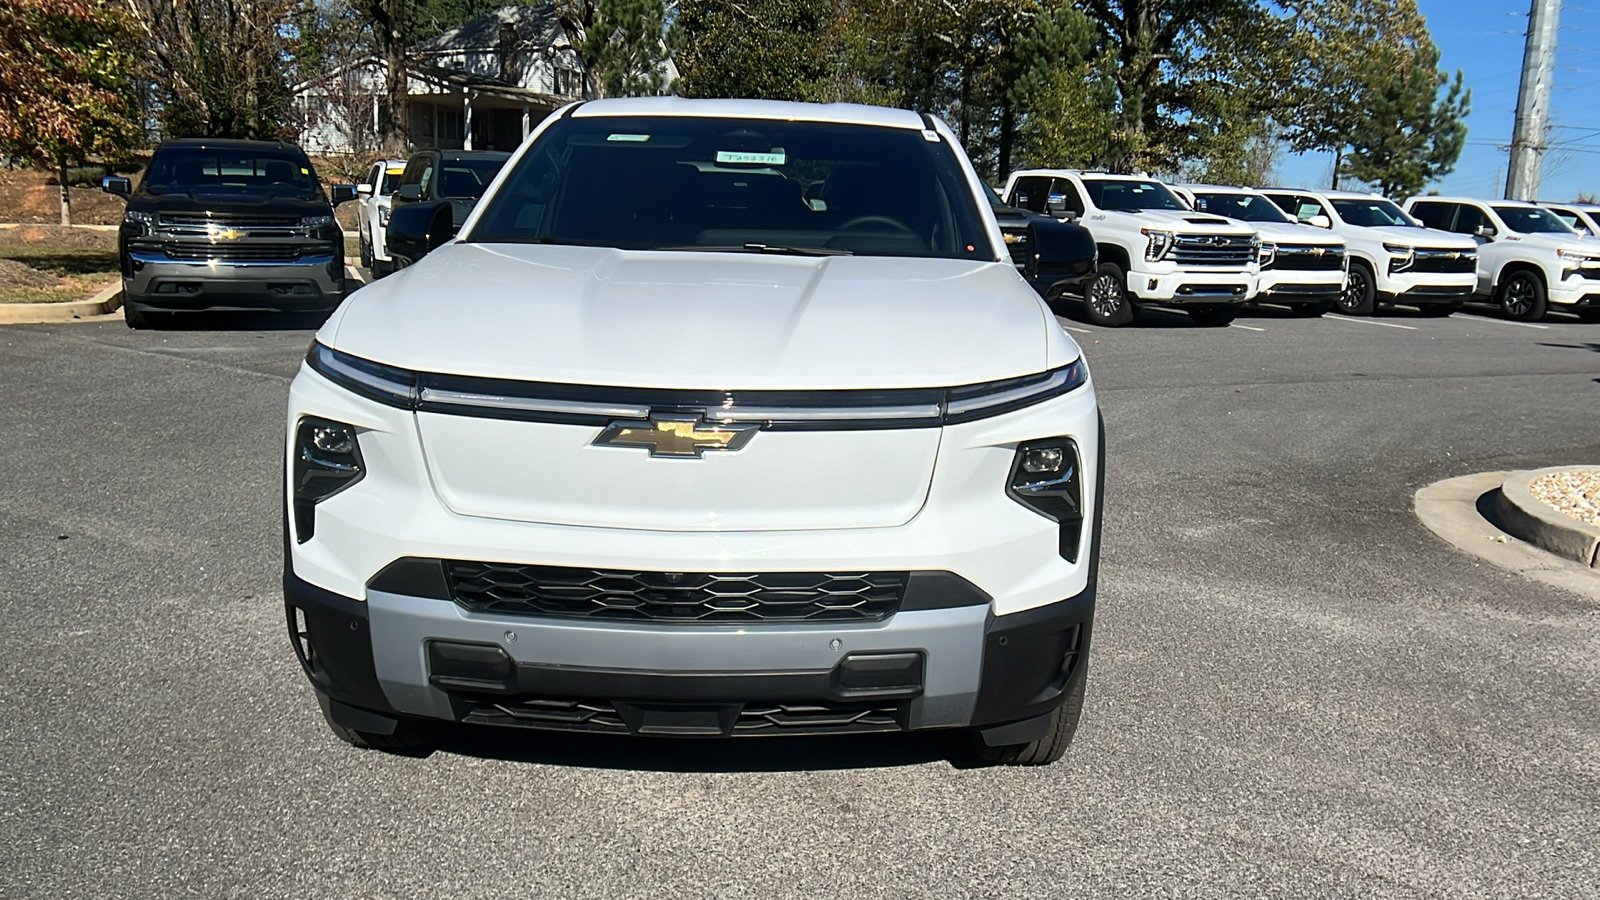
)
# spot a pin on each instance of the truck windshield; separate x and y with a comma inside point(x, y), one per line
point(1119, 193)
point(738, 185)
point(1374, 212)
point(1249, 207)
point(1531, 220)
point(467, 178)
point(211, 170)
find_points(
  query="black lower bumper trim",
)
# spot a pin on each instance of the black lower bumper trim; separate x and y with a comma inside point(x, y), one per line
point(331, 637)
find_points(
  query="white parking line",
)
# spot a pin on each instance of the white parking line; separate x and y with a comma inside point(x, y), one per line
point(1078, 330)
point(1369, 322)
point(1503, 322)
point(1245, 327)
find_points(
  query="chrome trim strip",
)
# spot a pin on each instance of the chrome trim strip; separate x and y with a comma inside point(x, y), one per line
point(819, 413)
point(534, 404)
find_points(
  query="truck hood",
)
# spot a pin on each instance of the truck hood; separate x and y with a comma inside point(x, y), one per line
point(1421, 237)
point(234, 203)
point(600, 316)
point(1182, 222)
point(1570, 243)
point(1290, 233)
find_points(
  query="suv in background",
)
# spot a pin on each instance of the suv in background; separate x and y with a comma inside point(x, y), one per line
point(372, 212)
point(1584, 218)
point(228, 225)
point(1529, 258)
point(1393, 258)
point(1302, 267)
point(1153, 249)
point(458, 177)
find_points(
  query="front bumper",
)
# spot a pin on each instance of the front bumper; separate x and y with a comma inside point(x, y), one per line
point(396, 656)
point(1208, 288)
point(1292, 286)
point(153, 281)
point(1415, 288)
point(1576, 291)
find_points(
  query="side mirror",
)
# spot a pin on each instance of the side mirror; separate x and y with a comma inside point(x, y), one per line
point(416, 230)
point(117, 184)
point(341, 193)
point(1061, 255)
point(1320, 221)
point(410, 193)
point(364, 189)
point(1486, 232)
point(1056, 205)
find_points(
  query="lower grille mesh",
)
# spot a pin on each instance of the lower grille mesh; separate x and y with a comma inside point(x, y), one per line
point(704, 598)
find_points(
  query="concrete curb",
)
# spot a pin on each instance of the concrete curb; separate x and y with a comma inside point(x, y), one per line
point(108, 300)
point(1522, 514)
point(1452, 510)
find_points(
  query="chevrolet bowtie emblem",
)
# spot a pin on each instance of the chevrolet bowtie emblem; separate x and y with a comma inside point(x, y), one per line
point(226, 234)
point(678, 436)
point(1318, 251)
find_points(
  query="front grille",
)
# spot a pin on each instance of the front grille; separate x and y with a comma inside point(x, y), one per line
point(753, 718)
point(696, 598)
point(1308, 259)
point(201, 221)
point(1212, 250)
point(1444, 261)
point(240, 252)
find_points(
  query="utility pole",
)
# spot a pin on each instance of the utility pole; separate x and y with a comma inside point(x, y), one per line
point(1532, 129)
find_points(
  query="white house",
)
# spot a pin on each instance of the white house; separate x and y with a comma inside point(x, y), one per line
point(480, 86)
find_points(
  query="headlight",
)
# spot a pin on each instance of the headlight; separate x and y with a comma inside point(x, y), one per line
point(312, 223)
point(327, 459)
point(383, 216)
point(1160, 244)
point(1267, 254)
point(1401, 256)
point(145, 222)
point(1045, 477)
point(1577, 258)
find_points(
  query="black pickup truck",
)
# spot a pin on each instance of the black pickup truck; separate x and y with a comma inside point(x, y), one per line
point(226, 224)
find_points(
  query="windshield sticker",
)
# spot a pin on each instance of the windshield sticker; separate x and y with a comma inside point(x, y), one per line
point(305, 171)
point(629, 138)
point(775, 158)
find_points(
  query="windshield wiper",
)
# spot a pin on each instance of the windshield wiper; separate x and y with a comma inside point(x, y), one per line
point(760, 248)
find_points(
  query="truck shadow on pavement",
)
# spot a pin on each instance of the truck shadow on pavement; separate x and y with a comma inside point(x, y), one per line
point(710, 755)
point(242, 321)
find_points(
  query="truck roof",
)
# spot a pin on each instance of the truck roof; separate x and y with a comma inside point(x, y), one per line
point(841, 113)
point(1450, 199)
point(227, 143)
point(1082, 172)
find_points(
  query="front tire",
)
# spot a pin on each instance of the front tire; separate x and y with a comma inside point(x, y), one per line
point(139, 319)
point(1522, 297)
point(1214, 316)
point(1360, 297)
point(1105, 300)
point(1063, 726)
point(366, 250)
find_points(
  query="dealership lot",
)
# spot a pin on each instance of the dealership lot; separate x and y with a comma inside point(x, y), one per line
point(1296, 689)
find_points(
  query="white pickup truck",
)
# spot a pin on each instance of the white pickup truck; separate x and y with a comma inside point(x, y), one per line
point(1154, 250)
point(1393, 258)
point(1302, 267)
point(1529, 258)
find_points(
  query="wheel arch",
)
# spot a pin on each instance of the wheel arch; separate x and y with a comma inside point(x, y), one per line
point(1114, 253)
point(1520, 265)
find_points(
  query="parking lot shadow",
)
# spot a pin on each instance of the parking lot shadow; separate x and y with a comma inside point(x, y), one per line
point(711, 755)
point(241, 321)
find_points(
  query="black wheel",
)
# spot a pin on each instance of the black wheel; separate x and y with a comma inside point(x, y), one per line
point(1105, 300)
point(1213, 316)
point(410, 737)
point(1360, 297)
point(1310, 310)
point(1048, 749)
point(139, 318)
point(1440, 310)
point(1522, 297)
point(366, 250)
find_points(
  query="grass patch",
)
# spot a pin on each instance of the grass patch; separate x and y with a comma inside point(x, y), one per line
point(72, 287)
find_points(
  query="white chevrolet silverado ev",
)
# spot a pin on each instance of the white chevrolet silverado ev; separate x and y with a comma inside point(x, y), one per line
point(1529, 258)
point(717, 418)
point(1393, 258)
point(1302, 267)
point(1154, 250)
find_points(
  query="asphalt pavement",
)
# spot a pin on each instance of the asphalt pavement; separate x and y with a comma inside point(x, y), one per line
point(1295, 689)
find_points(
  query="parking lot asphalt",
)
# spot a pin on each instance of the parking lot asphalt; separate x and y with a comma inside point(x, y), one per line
point(1295, 689)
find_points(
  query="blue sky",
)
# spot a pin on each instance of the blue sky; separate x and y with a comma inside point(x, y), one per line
point(1484, 39)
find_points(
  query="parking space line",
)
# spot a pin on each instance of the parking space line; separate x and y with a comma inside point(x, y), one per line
point(1078, 330)
point(1245, 327)
point(1503, 322)
point(1369, 322)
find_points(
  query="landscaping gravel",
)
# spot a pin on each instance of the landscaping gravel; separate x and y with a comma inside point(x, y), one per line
point(1575, 493)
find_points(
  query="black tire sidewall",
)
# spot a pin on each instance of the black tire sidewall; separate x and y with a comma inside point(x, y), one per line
point(1124, 313)
point(1540, 298)
point(1369, 298)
